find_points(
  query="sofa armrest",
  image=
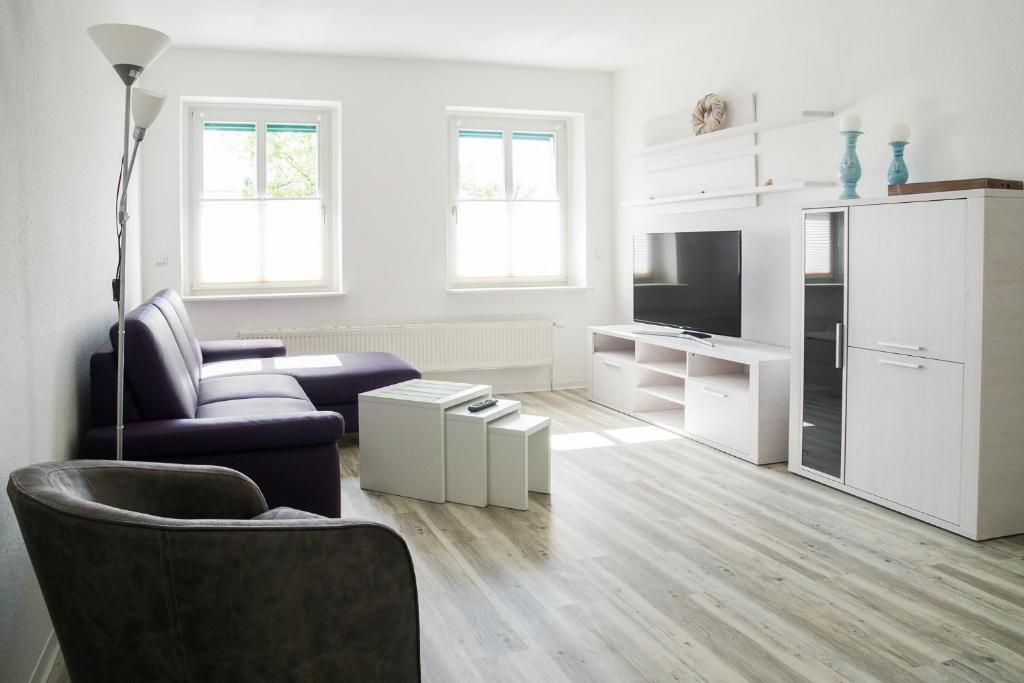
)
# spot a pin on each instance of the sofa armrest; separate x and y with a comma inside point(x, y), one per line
point(157, 439)
point(235, 349)
point(335, 598)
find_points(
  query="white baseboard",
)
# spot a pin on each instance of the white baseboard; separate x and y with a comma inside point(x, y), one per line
point(47, 659)
point(532, 388)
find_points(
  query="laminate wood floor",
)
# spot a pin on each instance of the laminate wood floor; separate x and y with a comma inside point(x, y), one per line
point(663, 560)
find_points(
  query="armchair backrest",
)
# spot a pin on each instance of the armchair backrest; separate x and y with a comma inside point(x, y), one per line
point(98, 551)
point(154, 366)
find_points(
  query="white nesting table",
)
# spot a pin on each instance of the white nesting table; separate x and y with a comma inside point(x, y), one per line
point(402, 436)
point(518, 459)
point(466, 451)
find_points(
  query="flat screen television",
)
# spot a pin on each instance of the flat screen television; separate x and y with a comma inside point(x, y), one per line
point(688, 280)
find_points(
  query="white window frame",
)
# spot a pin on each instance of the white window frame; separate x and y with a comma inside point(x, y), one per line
point(508, 123)
point(327, 160)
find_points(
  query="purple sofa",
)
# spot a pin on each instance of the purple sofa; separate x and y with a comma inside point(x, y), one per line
point(238, 404)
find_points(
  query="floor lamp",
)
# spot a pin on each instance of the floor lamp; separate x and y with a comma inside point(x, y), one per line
point(130, 50)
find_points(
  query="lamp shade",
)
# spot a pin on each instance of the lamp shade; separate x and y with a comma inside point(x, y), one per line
point(128, 45)
point(146, 106)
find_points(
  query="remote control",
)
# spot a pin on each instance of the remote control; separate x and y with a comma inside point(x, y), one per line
point(482, 405)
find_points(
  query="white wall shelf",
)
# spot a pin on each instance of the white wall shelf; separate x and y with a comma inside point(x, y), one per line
point(739, 192)
point(731, 132)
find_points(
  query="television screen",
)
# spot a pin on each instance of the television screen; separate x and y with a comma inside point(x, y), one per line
point(688, 280)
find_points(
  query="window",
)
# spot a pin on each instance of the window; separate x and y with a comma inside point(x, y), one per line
point(260, 203)
point(509, 202)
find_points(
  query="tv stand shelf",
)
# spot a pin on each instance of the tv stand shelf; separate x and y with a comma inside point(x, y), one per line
point(733, 396)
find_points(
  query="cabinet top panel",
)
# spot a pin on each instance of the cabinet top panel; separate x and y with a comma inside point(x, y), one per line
point(726, 348)
point(924, 197)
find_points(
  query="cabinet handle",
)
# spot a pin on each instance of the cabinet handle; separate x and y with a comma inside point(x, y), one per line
point(840, 342)
point(895, 345)
point(714, 393)
point(611, 364)
point(913, 366)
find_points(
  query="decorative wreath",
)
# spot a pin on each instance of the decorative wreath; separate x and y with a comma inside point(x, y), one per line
point(708, 114)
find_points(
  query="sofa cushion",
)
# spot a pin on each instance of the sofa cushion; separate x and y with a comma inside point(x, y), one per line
point(252, 407)
point(174, 299)
point(287, 513)
point(328, 380)
point(154, 366)
point(249, 386)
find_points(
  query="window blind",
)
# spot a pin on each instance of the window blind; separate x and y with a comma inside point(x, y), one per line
point(818, 245)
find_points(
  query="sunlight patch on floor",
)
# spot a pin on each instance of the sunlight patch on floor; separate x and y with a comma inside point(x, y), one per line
point(576, 440)
point(641, 434)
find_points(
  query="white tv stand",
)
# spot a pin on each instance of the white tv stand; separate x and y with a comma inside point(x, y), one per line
point(733, 396)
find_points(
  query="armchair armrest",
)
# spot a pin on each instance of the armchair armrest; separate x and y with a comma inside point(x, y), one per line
point(309, 600)
point(234, 349)
point(157, 439)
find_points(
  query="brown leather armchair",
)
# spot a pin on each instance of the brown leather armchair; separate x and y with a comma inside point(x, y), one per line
point(162, 572)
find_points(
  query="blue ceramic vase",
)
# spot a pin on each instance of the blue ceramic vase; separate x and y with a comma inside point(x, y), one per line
point(849, 166)
point(898, 173)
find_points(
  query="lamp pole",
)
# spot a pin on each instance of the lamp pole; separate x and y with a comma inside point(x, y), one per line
point(122, 223)
point(130, 50)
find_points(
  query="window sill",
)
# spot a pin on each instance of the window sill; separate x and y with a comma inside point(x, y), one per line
point(263, 296)
point(518, 288)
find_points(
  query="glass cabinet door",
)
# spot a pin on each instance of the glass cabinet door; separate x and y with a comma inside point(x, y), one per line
point(824, 340)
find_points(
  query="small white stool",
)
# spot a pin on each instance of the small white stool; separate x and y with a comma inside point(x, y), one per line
point(518, 459)
point(465, 451)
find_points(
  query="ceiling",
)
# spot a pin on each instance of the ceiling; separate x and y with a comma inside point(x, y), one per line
point(581, 34)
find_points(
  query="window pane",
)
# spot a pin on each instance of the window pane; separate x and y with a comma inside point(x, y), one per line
point(229, 246)
point(293, 248)
point(229, 160)
point(481, 164)
point(481, 238)
point(292, 165)
point(536, 239)
point(534, 166)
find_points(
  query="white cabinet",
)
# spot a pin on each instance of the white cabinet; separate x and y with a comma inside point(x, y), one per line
point(916, 401)
point(732, 396)
point(906, 278)
point(720, 414)
point(904, 430)
point(613, 379)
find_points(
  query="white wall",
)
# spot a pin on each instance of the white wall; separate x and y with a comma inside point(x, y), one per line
point(948, 68)
point(60, 123)
point(394, 187)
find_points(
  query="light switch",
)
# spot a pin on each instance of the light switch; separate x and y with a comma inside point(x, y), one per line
point(161, 259)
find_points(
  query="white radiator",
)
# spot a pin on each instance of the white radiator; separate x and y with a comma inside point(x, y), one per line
point(431, 347)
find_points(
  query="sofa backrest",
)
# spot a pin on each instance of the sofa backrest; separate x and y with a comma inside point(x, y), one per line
point(103, 389)
point(154, 366)
point(176, 304)
point(181, 337)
